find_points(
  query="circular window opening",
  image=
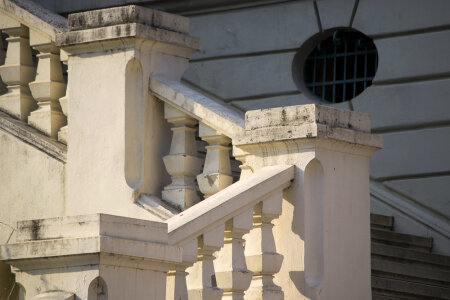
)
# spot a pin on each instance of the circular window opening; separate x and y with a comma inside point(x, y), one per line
point(341, 67)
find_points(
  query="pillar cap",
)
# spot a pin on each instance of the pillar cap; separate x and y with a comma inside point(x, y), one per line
point(306, 122)
point(130, 21)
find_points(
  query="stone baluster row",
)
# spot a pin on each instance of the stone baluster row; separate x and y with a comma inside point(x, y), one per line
point(47, 87)
point(216, 265)
point(17, 71)
point(184, 165)
point(32, 94)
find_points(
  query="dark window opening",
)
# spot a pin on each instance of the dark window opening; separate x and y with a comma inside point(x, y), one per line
point(341, 67)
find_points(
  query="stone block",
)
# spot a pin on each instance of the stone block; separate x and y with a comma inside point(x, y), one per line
point(405, 105)
point(241, 77)
point(127, 14)
point(412, 152)
point(334, 13)
point(431, 192)
point(256, 29)
point(396, 54)
point(400, 16)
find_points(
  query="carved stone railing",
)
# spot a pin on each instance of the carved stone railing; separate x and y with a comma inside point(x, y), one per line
point(34, 84)
point(219, 224)
point(186, 109)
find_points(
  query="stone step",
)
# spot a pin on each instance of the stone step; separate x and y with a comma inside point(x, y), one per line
point(381, 222)
point(411, 256)
point(407, 289)
point(382, 296)
point(406, 271)
point(402, 240)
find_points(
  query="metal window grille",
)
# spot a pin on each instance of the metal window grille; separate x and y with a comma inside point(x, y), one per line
point(341, 67)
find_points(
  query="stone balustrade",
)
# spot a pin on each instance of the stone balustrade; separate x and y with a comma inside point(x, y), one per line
point(218, 224)
point(217, 124)
point(32, 70)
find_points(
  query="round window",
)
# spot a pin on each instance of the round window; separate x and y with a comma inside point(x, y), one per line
point(340, 67)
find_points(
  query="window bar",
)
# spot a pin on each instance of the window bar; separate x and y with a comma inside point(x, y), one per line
point(355, 70)
point(334, 74)
point(324, 77)
point(345, 70)
point(314, 73)
point(365, 68)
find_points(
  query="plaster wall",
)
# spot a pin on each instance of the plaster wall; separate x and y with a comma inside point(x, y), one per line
point(32, 185)
point(246, 60)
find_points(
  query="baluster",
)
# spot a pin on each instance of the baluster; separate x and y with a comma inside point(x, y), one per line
point(260, 250)
point(63, 101)
point(47, 87)
point(232, 274)
point(217, 170)
point(17, 71)
point(201, 279)
point(176, 288)
point(182, 162)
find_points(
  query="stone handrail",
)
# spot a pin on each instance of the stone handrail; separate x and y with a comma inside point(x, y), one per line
point(32, 92)
point(218, 125)
point(208, 111)
point(219, 224)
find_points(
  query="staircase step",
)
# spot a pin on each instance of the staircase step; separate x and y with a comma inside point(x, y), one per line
point(404, 271)
point(403, 240)
point(381, 222)
point(409, 289)
point(408, 255)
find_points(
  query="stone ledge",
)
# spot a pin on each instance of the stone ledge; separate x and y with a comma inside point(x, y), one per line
point(113, 25)
point(33, 137)
point(91, 225)
point(35, 16)
point(307, 121)
point(91, 234)
point(128, 14)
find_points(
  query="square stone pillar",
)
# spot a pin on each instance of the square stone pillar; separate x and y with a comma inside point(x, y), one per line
point(117, 132)
point(91, 257)
point(324, 230)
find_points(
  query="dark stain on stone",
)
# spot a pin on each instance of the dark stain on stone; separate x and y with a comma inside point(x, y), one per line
point(283, 116)
point(35, 229)
point(127, 29)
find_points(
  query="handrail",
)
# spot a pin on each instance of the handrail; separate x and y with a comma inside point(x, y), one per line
point(197, 105)
point(228, 203)
point(35, 16)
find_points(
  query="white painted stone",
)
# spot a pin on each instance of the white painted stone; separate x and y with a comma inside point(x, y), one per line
point(328, 170)
point(47, 87)
point(17, 72)
point(216, 173)
point(202, 108)
point(182, 162)
point(132, 125)
point(104, 256)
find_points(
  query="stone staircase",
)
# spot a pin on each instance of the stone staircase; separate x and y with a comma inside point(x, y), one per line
point(403, 266)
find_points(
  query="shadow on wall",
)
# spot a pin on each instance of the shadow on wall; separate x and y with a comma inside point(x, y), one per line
point(307, 223)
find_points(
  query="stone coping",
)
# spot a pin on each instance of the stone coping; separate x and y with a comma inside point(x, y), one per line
point(35, 16)
point(90, 245)
point(204, 109)
point(307, 121)
point(228, 203)
point(91, 225)
point(127, 22)
point(33, 137)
